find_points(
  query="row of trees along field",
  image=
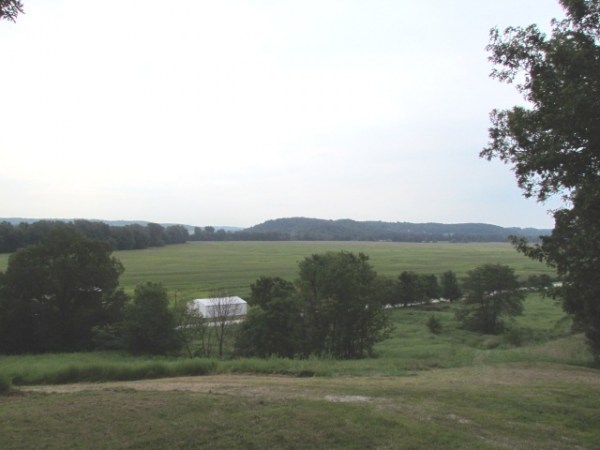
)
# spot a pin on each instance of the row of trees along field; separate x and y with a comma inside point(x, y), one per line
point(137, 236)
point(127, 237)
point(63, 295)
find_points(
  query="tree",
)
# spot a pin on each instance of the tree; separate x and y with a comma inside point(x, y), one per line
point(191, 328)
point(343, 315)
point(430, 286)
point(553, 145)
point(149, 325)
point(54, 294)
point(410, 289)
point(450, 288)
point(273, 323)
point(492, 292)
point(223, 311)
point(10, 9)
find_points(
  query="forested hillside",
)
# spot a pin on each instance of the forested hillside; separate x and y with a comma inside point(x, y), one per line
point(301, 228)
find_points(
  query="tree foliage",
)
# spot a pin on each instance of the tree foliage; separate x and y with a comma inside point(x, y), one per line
point(273, 324)
point(149, 325)
point(343, 314)
point(10, 9)
point(450, 289)
point(54, 294)
point(336, 308)
point(492, 293)
point(553, 144)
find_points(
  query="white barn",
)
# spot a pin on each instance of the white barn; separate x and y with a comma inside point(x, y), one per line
point(219, 307)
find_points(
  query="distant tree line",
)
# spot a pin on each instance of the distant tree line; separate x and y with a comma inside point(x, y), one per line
point(306, 229)
point(127, 237)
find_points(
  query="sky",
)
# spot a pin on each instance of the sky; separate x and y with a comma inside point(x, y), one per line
point(230, 113)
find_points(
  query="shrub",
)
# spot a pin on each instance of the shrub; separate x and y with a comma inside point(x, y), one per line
point(5, 384)
point(434, 325)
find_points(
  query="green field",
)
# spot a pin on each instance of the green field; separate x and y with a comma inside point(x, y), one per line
point(197, 268)
point(532, 388)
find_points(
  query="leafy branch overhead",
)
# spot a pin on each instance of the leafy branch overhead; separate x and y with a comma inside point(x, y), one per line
point(553, 144)
point(10, 9)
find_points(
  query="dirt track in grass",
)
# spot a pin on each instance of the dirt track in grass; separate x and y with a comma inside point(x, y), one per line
point(347, 388)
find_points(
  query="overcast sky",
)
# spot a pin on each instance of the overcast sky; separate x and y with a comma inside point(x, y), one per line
point(236, 112)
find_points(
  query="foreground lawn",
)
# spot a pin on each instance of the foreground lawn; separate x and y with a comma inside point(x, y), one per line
point(522, 406)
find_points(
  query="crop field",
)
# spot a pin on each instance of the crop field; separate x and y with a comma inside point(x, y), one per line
point(197, 268)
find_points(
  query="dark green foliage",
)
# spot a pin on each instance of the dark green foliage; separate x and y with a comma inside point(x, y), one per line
point(411, 289)
point(127, 237)
point(343, 315)
point(54, 294)
point(554, 145)
point(273, 324)
point(539, 282)
point(10, 9)
point(450, 288)
point(5, 384)
point(434, 325)
point(338, 310)
point(492, 293)
point(302, 228)
point(149, 325)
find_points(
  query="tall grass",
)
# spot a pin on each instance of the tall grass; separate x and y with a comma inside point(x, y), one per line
point(542, 334)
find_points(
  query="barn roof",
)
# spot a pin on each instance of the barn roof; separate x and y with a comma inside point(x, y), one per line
point(233, 300)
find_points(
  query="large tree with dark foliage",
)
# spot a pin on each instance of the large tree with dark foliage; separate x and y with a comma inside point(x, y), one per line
point(149, 325)
point(54, 294)
point(492, 294)
point(553, 144)
point(273, 324)
point(336, 308)
point(342, 309)
point(10, 9)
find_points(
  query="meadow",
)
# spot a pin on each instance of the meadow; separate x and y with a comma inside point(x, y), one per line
point(199, 268)
point(535, 386)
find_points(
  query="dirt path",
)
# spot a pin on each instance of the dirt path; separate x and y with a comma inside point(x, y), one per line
point(357, 389)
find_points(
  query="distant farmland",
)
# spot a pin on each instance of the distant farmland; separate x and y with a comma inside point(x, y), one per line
point(196, 268)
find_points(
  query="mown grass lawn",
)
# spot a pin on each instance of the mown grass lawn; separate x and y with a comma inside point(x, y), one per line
point(517, 406)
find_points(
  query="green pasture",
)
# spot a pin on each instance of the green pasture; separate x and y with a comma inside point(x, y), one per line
point(542, 335)
point(199, 268)
point(534, 387)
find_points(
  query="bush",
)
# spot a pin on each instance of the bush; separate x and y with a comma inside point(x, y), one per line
point(434, 325)
point(5, 384)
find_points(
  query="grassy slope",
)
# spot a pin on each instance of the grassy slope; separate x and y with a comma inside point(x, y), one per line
point(453, 390)
point(508, 406)
point(531, 388)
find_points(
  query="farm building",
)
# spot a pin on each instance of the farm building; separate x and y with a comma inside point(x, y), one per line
point(231, 307)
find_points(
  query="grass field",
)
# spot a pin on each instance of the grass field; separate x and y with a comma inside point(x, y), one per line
point(197, 268)
point(534, 388)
